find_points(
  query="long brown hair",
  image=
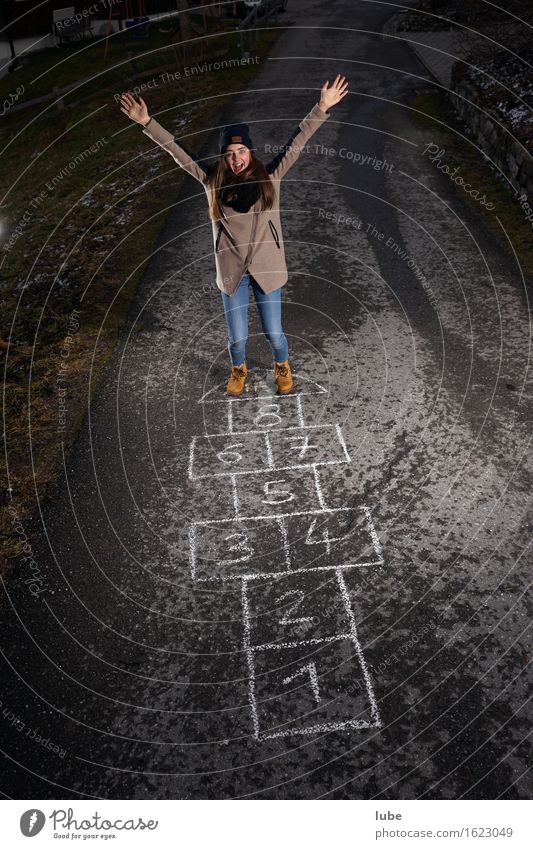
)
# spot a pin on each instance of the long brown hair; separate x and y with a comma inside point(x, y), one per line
point(222, 176)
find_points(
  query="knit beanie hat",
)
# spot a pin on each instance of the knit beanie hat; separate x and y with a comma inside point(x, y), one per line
point(235, 134)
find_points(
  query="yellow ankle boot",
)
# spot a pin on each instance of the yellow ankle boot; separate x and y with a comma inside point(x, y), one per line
point(283, 376)
point(237, 379)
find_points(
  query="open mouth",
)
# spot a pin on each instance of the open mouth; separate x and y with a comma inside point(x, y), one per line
point(238, 167)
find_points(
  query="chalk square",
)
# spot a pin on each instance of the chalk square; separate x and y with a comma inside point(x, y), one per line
point(228, 549)
point(277, 492)
point(310, 690)
point(342, 537)
point(295, 608)
point(228, 454)
point(321, 445)
point(265, 414)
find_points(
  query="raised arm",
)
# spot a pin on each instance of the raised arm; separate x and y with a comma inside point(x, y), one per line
point(138, 112)
point(329, 96)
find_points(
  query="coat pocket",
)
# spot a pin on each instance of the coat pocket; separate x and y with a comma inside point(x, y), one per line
point(274, 233)
point(218, 237)
point(229, 234)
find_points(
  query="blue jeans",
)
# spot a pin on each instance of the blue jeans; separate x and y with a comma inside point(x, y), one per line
point(236, 312)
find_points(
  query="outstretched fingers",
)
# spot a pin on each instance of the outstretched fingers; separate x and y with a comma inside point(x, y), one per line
point(130, 101)
point(340, 83)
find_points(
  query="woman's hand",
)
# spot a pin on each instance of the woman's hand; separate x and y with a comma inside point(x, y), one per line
point(330, 96)
point(136, 111)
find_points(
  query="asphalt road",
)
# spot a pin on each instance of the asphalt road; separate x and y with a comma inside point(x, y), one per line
point(338, 605)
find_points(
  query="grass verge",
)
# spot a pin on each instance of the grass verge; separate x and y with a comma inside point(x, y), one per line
point(82, 205)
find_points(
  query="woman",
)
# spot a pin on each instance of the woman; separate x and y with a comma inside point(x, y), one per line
point(243, 195)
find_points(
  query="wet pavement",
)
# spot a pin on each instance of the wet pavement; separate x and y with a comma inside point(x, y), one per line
point(317, 595)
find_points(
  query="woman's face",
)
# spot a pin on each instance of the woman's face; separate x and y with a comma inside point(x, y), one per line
point(237, 157)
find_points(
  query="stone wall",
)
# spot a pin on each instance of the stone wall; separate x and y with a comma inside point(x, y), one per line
point(515, 162)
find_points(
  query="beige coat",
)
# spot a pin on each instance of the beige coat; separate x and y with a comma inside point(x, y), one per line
point(247, 241)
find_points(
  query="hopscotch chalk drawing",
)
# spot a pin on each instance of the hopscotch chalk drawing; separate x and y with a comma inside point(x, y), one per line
point(290, 552)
